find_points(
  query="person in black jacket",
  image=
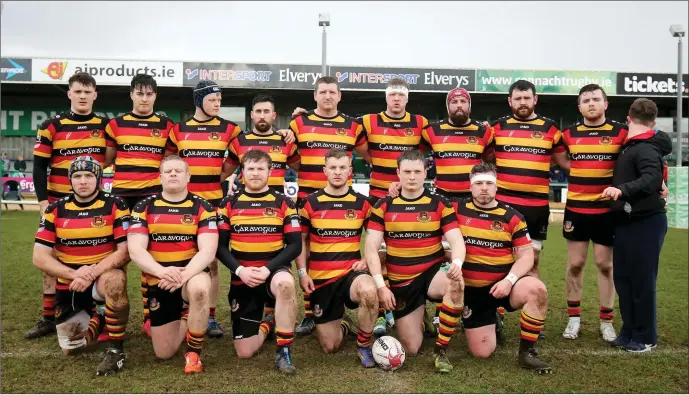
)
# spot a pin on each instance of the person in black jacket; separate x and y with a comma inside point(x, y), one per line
point(641, 225)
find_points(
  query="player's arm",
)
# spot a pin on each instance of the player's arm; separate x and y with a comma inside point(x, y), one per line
point(302, 264)
point(374, 239)
point(522, 250)
point(361, 145)
point(560, 156)
point(171, 143)
point(291, 238)
point(206, 242)
point(224, 254)
point(137, 242)
point(42, 151)
point(43, 255)
point(228, 169)
point(120, 256)
point(562, 159)
point(110, 143)
point(650, 179)
point(450, 226)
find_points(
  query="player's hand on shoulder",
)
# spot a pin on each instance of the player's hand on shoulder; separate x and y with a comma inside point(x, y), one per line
point(297, 112)
point(42, 206)
point(287, 135)
point(394, 189)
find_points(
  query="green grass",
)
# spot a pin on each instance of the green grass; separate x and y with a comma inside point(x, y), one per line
point(586, 365)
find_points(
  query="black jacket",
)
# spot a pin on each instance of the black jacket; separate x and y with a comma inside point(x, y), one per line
point(639, 175)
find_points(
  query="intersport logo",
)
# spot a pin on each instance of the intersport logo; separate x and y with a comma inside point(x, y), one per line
point(650, 84)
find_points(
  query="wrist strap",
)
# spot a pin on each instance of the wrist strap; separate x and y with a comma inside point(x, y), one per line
point(378, 279)
point(458, 262)
point(239, 269)
point(301, 272)
point(512, 278)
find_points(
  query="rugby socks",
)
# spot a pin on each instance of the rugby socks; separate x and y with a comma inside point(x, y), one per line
point(49, 307)
point(116, 324)
point(501, 312)
point(449, 318)
point(266, 326)
point(268, 310)
point(307, 306)
point(364, 339)
point(346, 328)
point(437, 309)
point(144, 296)
point(574, 309)
point(531, 327)
point(283, 338)
point(95, 326)
point(381, 312)
point(606, 314)
point(195, 341)
point(211, 313)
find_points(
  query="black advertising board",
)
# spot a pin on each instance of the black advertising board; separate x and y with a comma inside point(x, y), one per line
point(430, 80)
point(15, 69)
point(645, 84)
point(261, 76)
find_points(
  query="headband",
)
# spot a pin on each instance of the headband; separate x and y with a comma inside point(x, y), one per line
point(397, 89)
point(483, 177)
point(457, 92)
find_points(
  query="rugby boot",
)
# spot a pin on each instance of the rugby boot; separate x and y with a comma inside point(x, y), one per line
point(43, 327)
point(429, 329)
point(192, 363)
point(214, 329)
point(380, 329)
point(283, 361)
point(442, 363)
point(306, 326)
point(366, 357)
point(499, 330)
point(528, 359)
point(112, 363)
point(146, 328)
point(390, 318)
point(607, 331)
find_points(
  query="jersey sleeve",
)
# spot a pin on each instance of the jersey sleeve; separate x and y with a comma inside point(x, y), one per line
point(360, 134)
point(138, 222)
point(121, 215)
point(366, 209)
point(44, 139)
point(489, 136)
point(448, 216)
point(293, 154)
point(426, 137)
point(46, 229)
point(110, 133)
point(208, 219)
point(376, 218)
point(223, 212)
point(305, 216)
point(294, 126)
point(290, 222)
point(520, 233)
point(558, 144)
point(235, 130)
point(233, 152)
point(171, 143)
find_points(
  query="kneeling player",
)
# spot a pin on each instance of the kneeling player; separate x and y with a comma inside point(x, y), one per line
point(261, 226)
point(332, 222)
point(495, 235)
point(82, 241)
point(412, 226)
point(173, 238)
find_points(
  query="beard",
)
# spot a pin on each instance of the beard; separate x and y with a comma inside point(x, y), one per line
point(522, 112)
point(263, 127)
point(483, 199)
point(459, 118)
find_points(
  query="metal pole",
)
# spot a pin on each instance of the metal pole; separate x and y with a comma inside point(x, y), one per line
point(324, 63)
point(680, 92)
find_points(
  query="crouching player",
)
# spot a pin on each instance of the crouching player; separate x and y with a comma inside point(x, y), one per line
point(498, 257)
point(412, 226)
point(259, 238)
point(82, 241)
point(173, 238)
point(333, 219)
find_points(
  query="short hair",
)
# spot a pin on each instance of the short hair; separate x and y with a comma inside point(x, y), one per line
point(411, 155)
point(262, 99)
point(256, 155)
point(522, 85)
point(398, 82)
point(326, 79)
point(83, 78)
point(643, 111)
point(141, 81)
point(171, 158)
point(336, 153)
point(483, 167)
point(591, 88)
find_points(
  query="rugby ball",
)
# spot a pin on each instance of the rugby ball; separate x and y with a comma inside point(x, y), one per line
point(388, 353)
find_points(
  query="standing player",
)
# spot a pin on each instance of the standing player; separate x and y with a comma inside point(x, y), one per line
point(333, 219)
point(82, 241)
point(173, 238)
point(202, 141)
point(317, 132)
point(59, 141)
point(498, 257)
point(593, 146)
point(261, 227)
point(136, 144)
point(412, 226)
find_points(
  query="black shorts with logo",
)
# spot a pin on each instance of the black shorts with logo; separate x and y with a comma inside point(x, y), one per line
point(69, 303)
point(329, 301)
point(247, 304)
point(480, 305)
point(537, 219)
point(409, 297)
point(599, 228)
point(165, 306)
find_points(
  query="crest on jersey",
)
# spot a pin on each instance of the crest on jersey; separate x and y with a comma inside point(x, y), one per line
point(156, 133)
point(408, 132)
point(269, 212)
point(537, 135)
point(605, 140)
point(187, 219)
point(472, 140)
point(317, 311)
point(351, 214)
point(214, 136)
point(96, 133)
point(234, 306)
point(423, 216)
point(568, 227)
point(153, 304)
point(496, 226)
point(98, 222)
point(340, 132)
point(275, 149)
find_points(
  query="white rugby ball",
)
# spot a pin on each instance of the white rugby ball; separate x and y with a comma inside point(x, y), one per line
point(388, 353)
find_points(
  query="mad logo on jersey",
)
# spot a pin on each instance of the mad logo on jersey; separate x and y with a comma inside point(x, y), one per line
point(269, 212)
point(408, 132)
point(605, 140)
point(472, 140)
point(340, 132)
point(214, 136)
point(275, 149)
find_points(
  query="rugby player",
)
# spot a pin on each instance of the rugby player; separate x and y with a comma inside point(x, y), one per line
point(82, 241)
point(332, 221)
point(260, 236)
point(202, 141)
point(317, 132)
point(59, 141)
point(136, 143)
point(173, 238)
point(412, 226)
point(498, 257)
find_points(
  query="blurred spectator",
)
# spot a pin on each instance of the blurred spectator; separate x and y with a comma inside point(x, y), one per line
point(665, 165)
point(20, 165)
point(5, 163)
point(430, 168)
point(560, 177)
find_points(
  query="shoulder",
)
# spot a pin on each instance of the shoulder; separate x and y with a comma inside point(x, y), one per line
point(282, 198)
point(164, 118)
point(115, 201)
point(56, 204)
point(54, 120)
point(436, 197)
point(228, 123)
point(142, 204)
point(511, 212)
point(617, 125)
point(103, 119)
point(547, 121)
point(358, 195)
point(386, 201)
point(203, 202)
point(501, 120)
point(572, 128)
